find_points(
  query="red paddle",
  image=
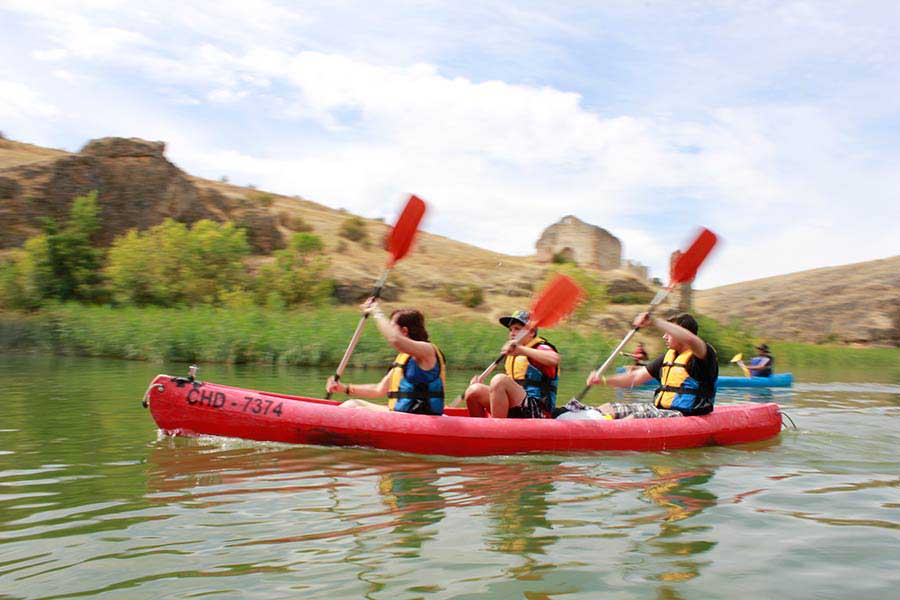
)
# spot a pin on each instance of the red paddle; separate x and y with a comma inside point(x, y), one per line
point(554, 303)
point(684, 269)
point(397, 244)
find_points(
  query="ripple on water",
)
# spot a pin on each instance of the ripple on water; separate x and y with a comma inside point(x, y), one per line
point(110, 510)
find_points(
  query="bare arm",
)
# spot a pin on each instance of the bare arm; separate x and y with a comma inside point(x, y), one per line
point(544, 356)
point(423, 352)
point(685, 337)
point(632, 378)
point(360, 390)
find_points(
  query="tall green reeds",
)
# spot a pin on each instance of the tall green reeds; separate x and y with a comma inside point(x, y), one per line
point(315, 337)
point(318, 337)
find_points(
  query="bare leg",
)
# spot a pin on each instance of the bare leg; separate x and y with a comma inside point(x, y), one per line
point(355, 403)
point(478, 399)
point(607, 409)
point(505, 394)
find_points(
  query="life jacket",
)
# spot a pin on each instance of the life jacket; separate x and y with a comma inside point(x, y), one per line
point(767, 372)
point(426, 398)
point(533, 380)
point(678, 390)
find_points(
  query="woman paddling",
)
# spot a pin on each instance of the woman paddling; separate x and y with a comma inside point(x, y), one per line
point(415, 381)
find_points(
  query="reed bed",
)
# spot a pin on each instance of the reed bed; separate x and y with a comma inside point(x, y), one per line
point(319, 337)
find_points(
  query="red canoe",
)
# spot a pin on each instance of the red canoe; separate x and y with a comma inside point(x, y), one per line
point(184, 407)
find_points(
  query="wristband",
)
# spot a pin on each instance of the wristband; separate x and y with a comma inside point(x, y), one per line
point(347, 387)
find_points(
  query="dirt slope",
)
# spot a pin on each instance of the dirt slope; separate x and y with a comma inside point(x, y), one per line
point(857, 303)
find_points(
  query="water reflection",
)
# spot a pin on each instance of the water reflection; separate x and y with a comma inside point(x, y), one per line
point(681, 495)
point(391, 508)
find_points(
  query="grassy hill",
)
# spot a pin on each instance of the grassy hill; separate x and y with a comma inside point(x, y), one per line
point(856, 303)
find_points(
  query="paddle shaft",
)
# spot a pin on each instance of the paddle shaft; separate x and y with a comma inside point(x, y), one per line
point(500, 358)
point(359, 327)
point(657, 300)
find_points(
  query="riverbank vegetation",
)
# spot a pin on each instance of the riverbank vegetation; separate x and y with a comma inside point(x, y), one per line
point(313, 337)
point(319, 336)
point(167, 265)
point(195, 294)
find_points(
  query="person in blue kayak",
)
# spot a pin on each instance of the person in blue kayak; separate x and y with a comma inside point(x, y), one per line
point(639, 356)
point(415, 381)
point(687, 373)
point(761, 364)
point(527, 390)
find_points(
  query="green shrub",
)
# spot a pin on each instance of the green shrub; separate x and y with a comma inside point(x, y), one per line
point(471, 296)
point(62, 263)
point(729, 339)
point(294, 222)
point(595, 298)
point(297, 276)
point(170, 264)
point(354, 229)
point(262, 199)
point(632, 298)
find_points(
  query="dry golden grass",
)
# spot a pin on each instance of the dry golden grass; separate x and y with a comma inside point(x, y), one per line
point(13, 154)
point(857, 303)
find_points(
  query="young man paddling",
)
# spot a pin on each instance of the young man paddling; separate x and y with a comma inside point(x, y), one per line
point(415, 381)
point(687, 373)
point(527, 390)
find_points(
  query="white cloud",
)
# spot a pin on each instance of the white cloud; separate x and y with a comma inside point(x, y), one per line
point(18, 101)
point(752, 119)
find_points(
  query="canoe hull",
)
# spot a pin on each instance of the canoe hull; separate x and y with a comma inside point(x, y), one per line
point(182, 407)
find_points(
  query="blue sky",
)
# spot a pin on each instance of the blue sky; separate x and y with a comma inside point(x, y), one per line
point(775, 124)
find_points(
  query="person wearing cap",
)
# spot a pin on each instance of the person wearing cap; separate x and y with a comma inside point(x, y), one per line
point(761, 364)
point(687, 373)
point(527, 390)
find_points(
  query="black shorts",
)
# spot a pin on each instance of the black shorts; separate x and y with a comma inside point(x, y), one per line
point(531, 408)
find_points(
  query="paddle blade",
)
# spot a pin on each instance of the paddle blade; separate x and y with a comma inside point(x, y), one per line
point(556, 301)
point(737, 357)
point(401, 236)
point(685, 266)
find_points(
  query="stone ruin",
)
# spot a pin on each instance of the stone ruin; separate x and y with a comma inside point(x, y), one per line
point(576, 241)
point(573, 240)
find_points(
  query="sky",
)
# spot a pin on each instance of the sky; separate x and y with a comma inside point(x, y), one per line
point(776, 124)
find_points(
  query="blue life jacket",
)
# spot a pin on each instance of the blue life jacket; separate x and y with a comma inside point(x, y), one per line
point(535, 383)
point(413, 390)
point(757, 360)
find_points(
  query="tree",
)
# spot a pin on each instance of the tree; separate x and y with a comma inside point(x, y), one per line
point(297, 276)
point(61, 263)
point(170, 264)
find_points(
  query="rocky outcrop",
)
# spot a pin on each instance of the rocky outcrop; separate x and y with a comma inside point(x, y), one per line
point(573, 240)
point(137, 188)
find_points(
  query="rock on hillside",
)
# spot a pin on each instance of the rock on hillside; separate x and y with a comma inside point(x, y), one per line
point(858, 303)
point(137, 188)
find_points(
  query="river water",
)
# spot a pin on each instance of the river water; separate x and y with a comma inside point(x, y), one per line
point(95, 504)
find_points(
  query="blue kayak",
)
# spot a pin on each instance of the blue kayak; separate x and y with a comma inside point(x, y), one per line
point(776, 380)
